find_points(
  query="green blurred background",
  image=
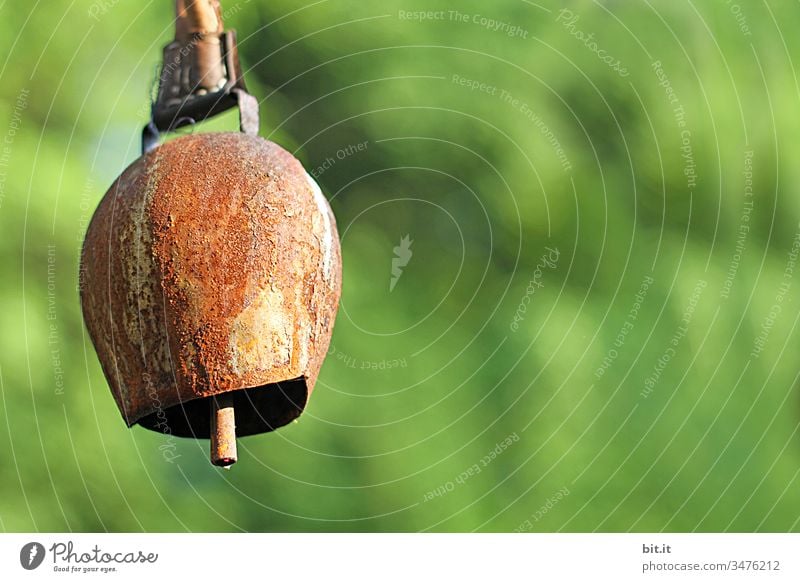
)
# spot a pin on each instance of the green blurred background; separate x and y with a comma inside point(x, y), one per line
point(597, 326)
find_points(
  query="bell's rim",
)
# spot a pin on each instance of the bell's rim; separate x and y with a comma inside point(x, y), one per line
point(259, 409)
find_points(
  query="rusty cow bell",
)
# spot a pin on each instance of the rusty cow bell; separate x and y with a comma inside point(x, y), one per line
point(210, 280)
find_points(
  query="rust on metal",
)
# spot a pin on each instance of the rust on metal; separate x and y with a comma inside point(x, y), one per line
point(223, 431)
point(212, 266)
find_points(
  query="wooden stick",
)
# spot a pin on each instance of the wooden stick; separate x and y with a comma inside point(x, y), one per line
point(223, 431)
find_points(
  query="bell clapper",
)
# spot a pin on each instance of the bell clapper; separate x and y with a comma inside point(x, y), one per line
point(223, 431)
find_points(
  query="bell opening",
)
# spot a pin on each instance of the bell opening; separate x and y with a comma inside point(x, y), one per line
point(258, 409)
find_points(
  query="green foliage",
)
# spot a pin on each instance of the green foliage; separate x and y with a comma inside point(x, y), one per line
point(549, 148)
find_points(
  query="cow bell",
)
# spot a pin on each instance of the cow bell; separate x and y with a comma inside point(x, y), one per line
point(211, 270)
point(212, 267)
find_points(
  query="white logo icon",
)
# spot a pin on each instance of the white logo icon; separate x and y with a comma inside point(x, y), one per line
point(402, 256)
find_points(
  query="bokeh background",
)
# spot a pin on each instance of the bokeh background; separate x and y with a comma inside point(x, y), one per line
point(597, 325)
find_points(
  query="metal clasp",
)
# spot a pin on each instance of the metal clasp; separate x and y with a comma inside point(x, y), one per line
point(192, 88)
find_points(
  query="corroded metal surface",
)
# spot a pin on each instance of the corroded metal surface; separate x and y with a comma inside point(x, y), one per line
point(211, 265)
point(223, 431)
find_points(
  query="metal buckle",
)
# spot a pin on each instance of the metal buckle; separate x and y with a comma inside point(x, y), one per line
point(181, 101)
